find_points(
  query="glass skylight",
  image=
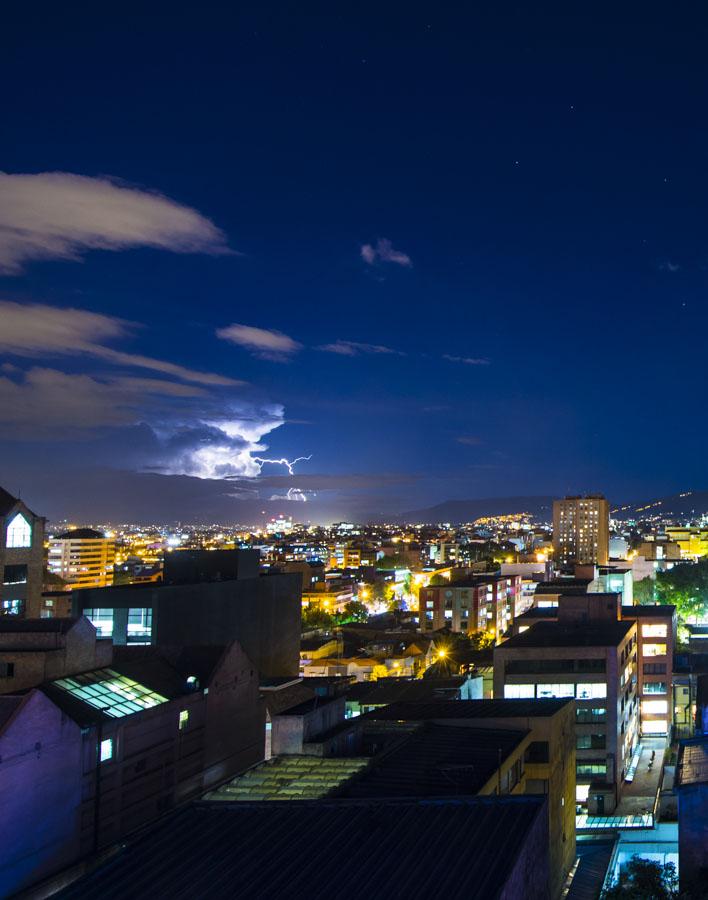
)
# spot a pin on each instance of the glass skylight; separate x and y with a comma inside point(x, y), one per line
point(115, 695)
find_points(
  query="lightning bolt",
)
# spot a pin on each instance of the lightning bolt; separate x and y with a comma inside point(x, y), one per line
point(281, 462)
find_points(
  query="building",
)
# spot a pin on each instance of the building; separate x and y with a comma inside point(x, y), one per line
point(483, 603)
point(588, 654)
point(491, 847)
point(89, 758)
point(581, 530)
point(21, 558)
point(691, 785)
point(36, 650)
point(208, 597)
point(656, 639)
point(83, 558)
point(692, 542)
point(548, 765)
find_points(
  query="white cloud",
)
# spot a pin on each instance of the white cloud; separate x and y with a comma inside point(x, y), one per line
point(261, 342)
point(384, 252)
point(354, 348)
point(37, 330)
point(467, 360)
point(57, 215)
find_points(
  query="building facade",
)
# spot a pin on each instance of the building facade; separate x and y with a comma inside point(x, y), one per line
point(83, 558)
point(581, 530)
point(21, 558)
point(484, 603)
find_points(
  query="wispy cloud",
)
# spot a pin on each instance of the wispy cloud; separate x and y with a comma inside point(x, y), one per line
point(58, 215)
point(668, 266)
point(261, 342)
point(384, 252)
point(35, 329)
point(466, 360)
point(470, 440)
point(355, 348)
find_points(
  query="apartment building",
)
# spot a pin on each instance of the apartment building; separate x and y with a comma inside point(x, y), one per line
point(483, 603)
point(581, 530)
point(83, 558)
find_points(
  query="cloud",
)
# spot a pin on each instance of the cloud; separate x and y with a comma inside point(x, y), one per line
point(668, 266)
point(471, 440)
point(35, 329)
point(46, 401)
point(261, 342)
point(385, 253)
point(467, 360)
point(354, 348)
point(57, 215)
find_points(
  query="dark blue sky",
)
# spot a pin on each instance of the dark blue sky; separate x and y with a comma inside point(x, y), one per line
point(541, 174)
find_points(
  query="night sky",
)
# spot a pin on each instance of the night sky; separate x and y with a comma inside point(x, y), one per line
point(442, 252)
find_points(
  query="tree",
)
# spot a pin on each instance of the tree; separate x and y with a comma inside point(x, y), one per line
point(354, 611)
point(436, 580)
point(644, 879)
point(686, 587)
point(390, 562)
point(643, 591)
point(481, 640)
point(315, 617)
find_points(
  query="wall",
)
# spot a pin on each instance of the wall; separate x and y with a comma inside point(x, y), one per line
point(529, 877)
point(693, 837)
point(40, 786)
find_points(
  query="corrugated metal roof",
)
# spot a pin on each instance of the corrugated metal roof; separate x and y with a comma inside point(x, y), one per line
point(322, 850)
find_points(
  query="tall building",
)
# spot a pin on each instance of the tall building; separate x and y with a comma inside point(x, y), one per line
point(581, 530)
point(483, 603)
point(83, 558)
point(21, 558)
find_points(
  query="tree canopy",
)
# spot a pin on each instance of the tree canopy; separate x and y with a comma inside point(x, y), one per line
point(644, 879)
point(686, 587)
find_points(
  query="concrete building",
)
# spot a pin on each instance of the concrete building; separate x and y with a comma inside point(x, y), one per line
point(581, 530)
point(21, 558)
point(89, 758)
point(483, 603)
point(230, 600)
point(588, 654)
point(656, 639)
point(36, 650)
point(83, 558)
point(692, 542)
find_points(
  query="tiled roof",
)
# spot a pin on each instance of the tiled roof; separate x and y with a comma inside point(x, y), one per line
point(322, 850)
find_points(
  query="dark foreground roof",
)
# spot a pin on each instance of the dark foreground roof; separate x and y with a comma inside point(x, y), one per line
point(7, 501)
point(89, 534)
point(437, 761)
point(649, 609)
point(12, 625)
point(468, 709)
point(322, 850)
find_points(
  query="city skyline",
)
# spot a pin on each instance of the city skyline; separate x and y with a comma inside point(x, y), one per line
point(393, 246)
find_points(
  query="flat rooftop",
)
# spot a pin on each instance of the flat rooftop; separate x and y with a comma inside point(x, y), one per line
point(468, 709)
point(692, 766)
point(582, 634)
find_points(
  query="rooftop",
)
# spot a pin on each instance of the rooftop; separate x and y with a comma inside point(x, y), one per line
point(83, 534)
point(582, 634)
point(437, 761)
point(319, 849)
point(13, 625)
point(649, 609)
point(469, 709)
point(692, 766)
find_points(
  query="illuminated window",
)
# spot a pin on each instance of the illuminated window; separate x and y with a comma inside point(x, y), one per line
point(518, 691)
point(590, 691)
point(183, 719)
point(554, 690)
point(654, 650)
point(102, 620)
point(654, 631)
point(655, 687)
point(655, 707)
point(139, 626)
point(106, 749)
point(12, 607)
point(19, 532)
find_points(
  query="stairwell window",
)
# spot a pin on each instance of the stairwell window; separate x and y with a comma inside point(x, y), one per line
point(19, 532)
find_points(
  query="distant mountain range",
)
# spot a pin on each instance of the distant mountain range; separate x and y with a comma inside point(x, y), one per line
point(686, 504)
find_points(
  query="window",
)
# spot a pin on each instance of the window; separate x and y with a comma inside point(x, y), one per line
point(7, 670)
point(591, 769)
point(12, 607)
point(654, 650)
point(15, 575)
point(590, 691)
point(654, 707)
point(654, 668)
point(19, 532)
point(655, 687)
point(654, 631)
point(554, 690)
point(114, 694)
point(591, 742)
point(590, 715)
point(183, 719)
point(139, 626)
point(102, 620)
point(106, 749)
point(518, 691)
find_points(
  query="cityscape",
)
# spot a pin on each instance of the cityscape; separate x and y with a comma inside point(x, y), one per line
point(353, 500)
